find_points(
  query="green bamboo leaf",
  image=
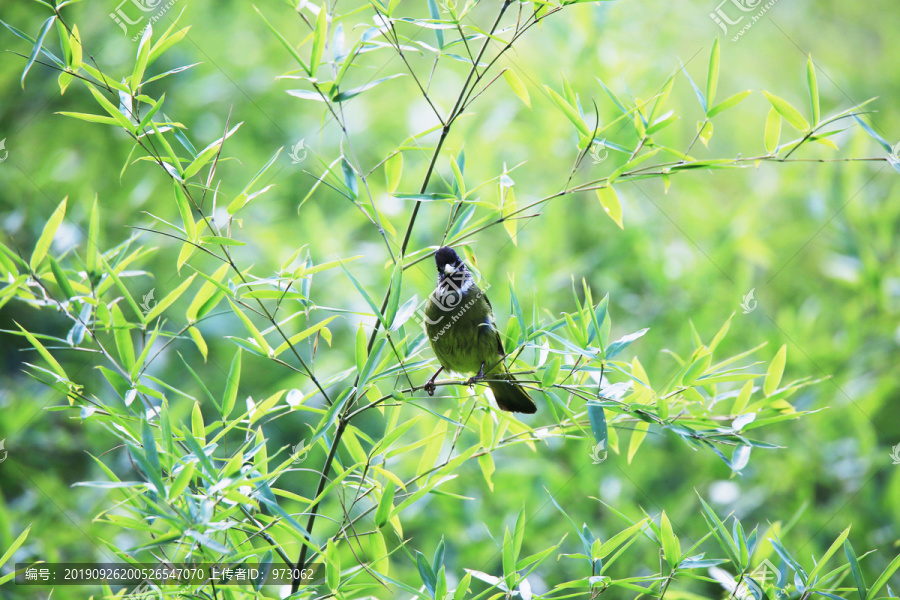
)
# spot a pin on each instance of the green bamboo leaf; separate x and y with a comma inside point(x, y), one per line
point(393, 171)
point(57, 368)
point(111, 109)
point(385, 505)
point(187, 216)
point(855, 570)
point(61, 280)
point(254, 332)
point(829, 553)
point(787, 110)
point(208, 296)
point(178, 175)
point(570, 111)
point(773, 130)
point(114, 276)
point(143, 56)
point(876, 587)
point(727, 103)
point(775, 370)
point(90, 118)
point(332, 566)
point(319, 36)
point(43, 243)
point(37, 47)
point(609, 200)
point(181, 481)
point(516, 85)
point(75, 45)
point(14, 546)
point(670, 544)
point(637, 438)
point(232, 385)
point(122, 335)
point(169, 299)
point(362, 291)
point(813, 89)
point(285, 43)
point(875, 136)
point(299, 337)
point(92, 261)
point(207, 154)
point(436, 15)
point(712, 76)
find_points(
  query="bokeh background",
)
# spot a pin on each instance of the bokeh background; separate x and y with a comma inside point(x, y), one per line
point(816, 241)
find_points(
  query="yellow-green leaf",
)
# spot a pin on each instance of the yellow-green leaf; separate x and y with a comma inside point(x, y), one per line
point(57, 368)
point(775, 371)
point(813, 90)
point(181, 482)
point(705, 131)
point(43, 243)
point(486, 462)
point(199, 341)
point(197, 428)
point(260, 340)
point(609, 200)
point(773, 130)
point(393, 170)
point(319, 36)
point(787, 110)
point(169, 299)
point(304, 334)
point(517, 86)
point(712, 76)
point(637, 438)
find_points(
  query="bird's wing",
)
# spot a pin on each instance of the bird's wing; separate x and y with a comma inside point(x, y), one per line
point(492, 323)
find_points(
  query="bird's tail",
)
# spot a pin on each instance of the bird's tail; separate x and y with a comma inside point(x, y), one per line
point(509, 394)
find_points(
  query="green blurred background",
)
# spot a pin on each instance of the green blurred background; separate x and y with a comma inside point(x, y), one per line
point(816, 241)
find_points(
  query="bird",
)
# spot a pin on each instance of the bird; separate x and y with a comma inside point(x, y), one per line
point(459, 321)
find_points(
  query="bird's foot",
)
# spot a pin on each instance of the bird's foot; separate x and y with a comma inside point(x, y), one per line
point(429, 386)
point(480, 375)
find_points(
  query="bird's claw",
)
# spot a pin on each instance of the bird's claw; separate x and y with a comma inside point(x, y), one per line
point(429, 388)
point(479, 375)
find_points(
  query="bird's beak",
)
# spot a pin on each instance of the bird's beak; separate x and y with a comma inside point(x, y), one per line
point(449, 269)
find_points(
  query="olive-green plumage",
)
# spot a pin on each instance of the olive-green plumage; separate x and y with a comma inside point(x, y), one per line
point(459, 321)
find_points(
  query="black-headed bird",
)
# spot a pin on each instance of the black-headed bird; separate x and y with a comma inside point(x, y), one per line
point(459, 321)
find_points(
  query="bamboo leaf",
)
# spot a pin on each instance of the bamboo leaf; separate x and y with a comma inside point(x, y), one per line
point(787, 110)
point(775, 370)
point(39, 42)
point(813, 90)
point(169, 299)
point(518, 88)
point(609, 200)
point(43, 243)
point(712, 76)
point(773, 130)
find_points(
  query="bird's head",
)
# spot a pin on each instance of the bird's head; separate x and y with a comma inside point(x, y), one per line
point(447, 261)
